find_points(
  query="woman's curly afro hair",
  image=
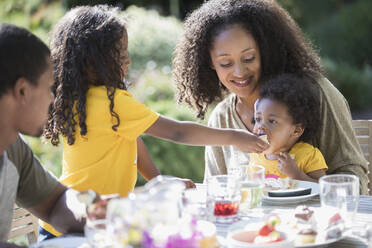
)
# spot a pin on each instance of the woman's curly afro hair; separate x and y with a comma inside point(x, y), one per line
point(282, 46)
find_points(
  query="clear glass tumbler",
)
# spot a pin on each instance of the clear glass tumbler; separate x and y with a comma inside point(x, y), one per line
point(223, 198)
point(339, 193)
point(251, 188)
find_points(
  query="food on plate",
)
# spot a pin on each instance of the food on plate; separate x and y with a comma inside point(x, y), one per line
point(310, 225)
point(306, 236)
point(335, 219)
point(266, 234)
point(304, 214)
point(335, 226)
point(273, 184)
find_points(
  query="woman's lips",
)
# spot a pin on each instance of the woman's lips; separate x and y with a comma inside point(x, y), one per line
point(242, 83)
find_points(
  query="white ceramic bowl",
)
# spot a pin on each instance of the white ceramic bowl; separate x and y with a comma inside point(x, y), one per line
point(287, 242)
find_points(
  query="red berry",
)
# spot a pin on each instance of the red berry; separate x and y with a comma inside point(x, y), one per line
point(334, 219)
point(265, 230)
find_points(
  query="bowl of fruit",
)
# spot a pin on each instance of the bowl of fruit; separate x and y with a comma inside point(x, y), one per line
point(258, 235)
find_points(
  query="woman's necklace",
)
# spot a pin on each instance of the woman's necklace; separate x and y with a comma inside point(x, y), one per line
point(245, 113)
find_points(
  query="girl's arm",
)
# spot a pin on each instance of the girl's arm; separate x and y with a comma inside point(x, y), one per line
point(145, 165)
point(191, 133)
point(148, 169)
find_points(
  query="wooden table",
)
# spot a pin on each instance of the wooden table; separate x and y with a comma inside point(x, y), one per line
point(363, 217)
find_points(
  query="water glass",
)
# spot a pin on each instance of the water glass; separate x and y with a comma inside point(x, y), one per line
point(194, 203)
point(339, 193)
point(223, 197)
point(251, 188)
point(95, 233)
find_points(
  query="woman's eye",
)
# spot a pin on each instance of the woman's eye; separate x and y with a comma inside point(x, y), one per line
point(248, 59)
point(272, 121)
point(225, 65)
point(257, 119)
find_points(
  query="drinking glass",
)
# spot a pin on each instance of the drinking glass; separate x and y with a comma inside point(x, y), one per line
point(251, 188)
point(95, 232)
point(223, 197)
point(194, 203)
point(339, 194)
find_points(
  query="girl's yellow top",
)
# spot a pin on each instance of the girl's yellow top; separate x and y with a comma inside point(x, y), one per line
point(105, 160)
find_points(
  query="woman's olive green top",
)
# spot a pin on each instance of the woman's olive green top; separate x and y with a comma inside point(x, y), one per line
point(335, 138)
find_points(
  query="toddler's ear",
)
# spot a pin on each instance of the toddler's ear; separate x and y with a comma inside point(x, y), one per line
point(298, 131)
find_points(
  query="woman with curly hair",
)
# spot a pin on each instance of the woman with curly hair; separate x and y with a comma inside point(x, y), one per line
point(232, 46)
point(98, 119)
point(287, 113)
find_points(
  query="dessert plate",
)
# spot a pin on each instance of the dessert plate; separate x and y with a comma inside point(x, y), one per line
point(294, 199)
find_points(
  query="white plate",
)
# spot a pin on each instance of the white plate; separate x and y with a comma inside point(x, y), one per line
point(240, 225)
point(63, 242)
point(294, 199)
point(324, 243)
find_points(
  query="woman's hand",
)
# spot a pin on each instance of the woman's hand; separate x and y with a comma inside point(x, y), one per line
point(246, 142)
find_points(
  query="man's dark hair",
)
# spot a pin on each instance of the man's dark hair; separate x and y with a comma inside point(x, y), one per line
point(295, 92)
point(22, 54)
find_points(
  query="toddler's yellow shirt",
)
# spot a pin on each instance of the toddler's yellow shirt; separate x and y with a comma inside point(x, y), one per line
point(106, 160)
point(308, 159)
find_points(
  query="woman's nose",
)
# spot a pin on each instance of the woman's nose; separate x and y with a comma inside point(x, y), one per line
point(239, 70)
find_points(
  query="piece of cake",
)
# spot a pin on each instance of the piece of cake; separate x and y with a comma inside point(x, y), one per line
point(306, 236)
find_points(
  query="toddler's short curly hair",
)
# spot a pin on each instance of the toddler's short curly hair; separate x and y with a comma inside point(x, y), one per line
point(295, 92)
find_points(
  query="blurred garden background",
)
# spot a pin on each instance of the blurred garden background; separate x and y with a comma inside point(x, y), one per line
point(340, 29)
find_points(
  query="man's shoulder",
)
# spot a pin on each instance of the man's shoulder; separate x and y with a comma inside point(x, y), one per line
point(17, 152)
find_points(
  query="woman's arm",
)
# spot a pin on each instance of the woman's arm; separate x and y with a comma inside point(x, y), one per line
point(336, 138)
point(191, 133)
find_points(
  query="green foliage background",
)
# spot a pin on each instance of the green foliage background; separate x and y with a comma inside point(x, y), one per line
point(339, 28)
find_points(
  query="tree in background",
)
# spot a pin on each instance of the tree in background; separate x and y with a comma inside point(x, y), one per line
point(339, 28)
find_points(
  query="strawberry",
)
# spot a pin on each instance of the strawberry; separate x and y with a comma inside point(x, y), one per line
point(334, 219)
point(265, 230)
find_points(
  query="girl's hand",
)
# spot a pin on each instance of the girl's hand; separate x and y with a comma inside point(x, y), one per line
point(188, 183)
point(246, 142)
point(288, 166)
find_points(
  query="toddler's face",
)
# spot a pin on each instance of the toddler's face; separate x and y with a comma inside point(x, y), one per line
point(272, 119)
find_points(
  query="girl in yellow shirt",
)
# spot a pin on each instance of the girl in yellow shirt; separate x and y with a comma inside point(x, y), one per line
point(287, 112)
point(99, 121)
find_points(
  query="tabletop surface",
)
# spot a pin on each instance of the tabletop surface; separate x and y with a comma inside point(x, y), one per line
point(363, 217)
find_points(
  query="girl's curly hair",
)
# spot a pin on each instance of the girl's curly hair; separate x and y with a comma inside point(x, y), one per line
point(296, 93)
point(85, 50)
point(282, 46)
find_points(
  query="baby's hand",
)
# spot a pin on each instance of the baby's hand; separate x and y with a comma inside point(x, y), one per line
point(288, 166)
point(249, 143)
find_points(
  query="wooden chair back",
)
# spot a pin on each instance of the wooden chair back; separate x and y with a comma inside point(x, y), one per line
point(24, 223)
point(363, 132)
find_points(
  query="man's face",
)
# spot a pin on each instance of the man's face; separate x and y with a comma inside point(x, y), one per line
point(34, 111)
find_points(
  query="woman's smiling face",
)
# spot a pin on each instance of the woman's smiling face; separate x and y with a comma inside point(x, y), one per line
point(236, 59)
